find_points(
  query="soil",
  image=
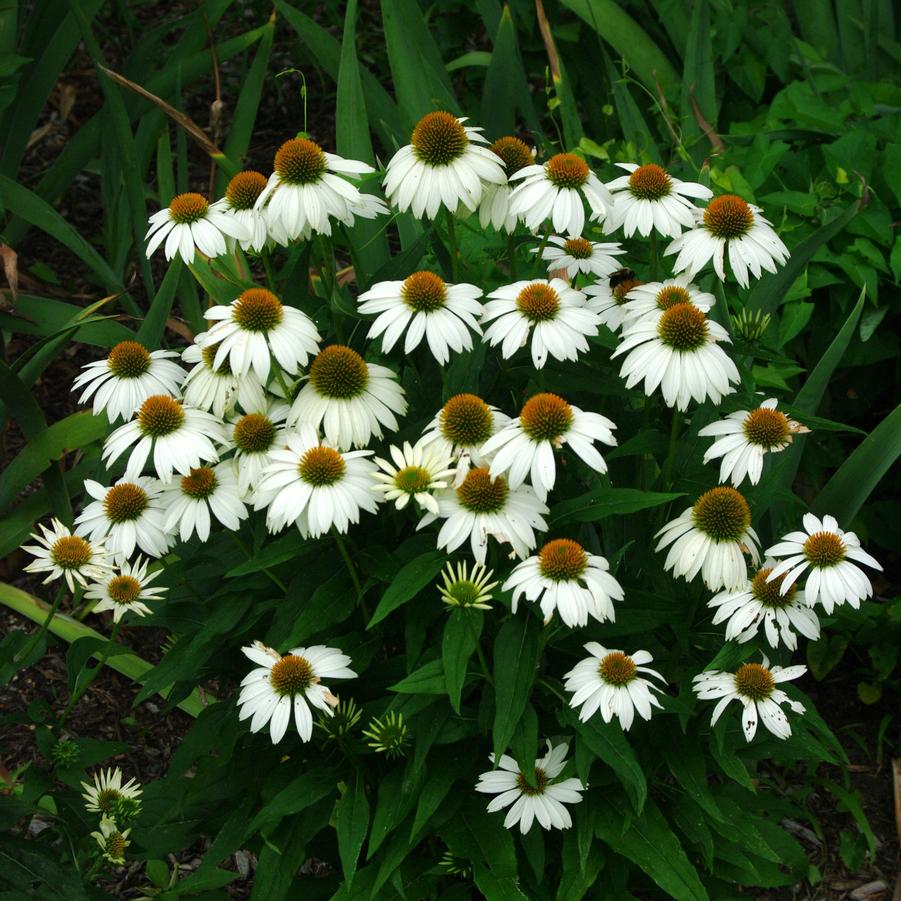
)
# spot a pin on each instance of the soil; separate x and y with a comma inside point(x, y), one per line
point(106, 711)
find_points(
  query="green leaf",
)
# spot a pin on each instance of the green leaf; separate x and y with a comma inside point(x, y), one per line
point(607, 742)
point(477, 836)
point(411, 579)
point(848, 489)
point(351, 824)
point(502, 80)
point(697, 76)
point(300, 793)
point(603, 502)
point(461, 635)
point(652, 845)
point(515, 663)
point(427, 680)
point(154, 325)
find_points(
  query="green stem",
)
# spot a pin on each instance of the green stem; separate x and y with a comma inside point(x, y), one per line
point(545, 684)
point(79, 691)
point(270, 272)
point(655, 258)
point(671, 452)
point(60, 593)
point(511, 255)
point(483, 663)
point(352, 570)
point(452, 245)
point(270, 575)
point(538, 253)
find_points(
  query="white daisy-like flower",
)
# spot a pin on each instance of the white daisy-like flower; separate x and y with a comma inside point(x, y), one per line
point(480, 507)
point(533, 797)
point(494, 208)
point(754, 685)
point(126, 515)
point(649, 198)
point(307, 190)
point(576, 254)
point(204, 494)
point(181, 438)
point(241, 195)
point(745, 437)
point(315, 486)
point(256, 327)
point(126, 591)
point(467, 586)
point(108, 790)
point(525, 446)
point(62, 554)
point(424, 306)
point(417, 471)
point(349, 398)
point(830, 557)
point(648, 301)
point(729, 224)
point(254, 435)
point(759, 602)
point(677, 351)
point(562, 577)
point(282, 685)
point(610, 681)
point(112, 842)
point(190, 223)
point(444, 164)
point(607, 297)
point(217, 389)
point(554, 313)
point(712, 538)
point(462, 426)
point(127, 377)
point(559, 190)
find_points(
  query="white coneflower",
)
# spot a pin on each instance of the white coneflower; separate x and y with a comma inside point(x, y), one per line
point(649, 198)
point(349, 398)
point(525, 446)
point(744, 437)
point(610, 681)
point(677, 351)
point(126, 591)
point(255, 327)
point(241, 197)
point(315, 486)
point(554, 313)
point(112, 842)
point(467, 587)
point(61, 554)
point(443, 165)
point(480, 507)
point(126, 515)
point(416, 473)
point(424, 306)
point(558, 190)
point(648, 301)
point(729, 224)
point(191, 222)
point(830, 556)
point(576, 254)
point(563, 578)
point(127, 377)
point(307, 190)
point(108, 791)
point(282, 685)
point(204, 494)
point(712, 538)
point(217, 389)
point(180, 437)
point(759, 602)
point(754, 685)
point(608, 296)
point(254, 435)
point(494, 208)
point(536, 797)
point(462, 426)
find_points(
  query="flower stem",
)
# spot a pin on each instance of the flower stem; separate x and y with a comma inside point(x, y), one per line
point(79, 691)
point(270, 575)
point(511, 255)
point(23, 655)
point(483, 663)
point(270, 272)
point(352, 570)
point(452, 245)
point(655, 258)
point(675, 428)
